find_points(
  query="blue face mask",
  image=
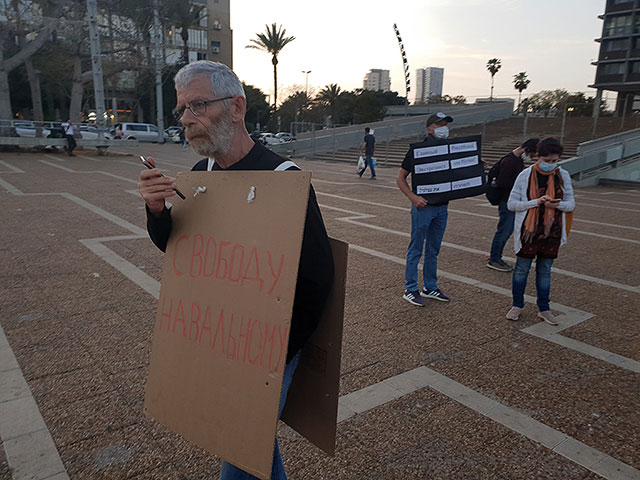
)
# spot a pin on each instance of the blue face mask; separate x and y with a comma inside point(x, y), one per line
point(547, 167)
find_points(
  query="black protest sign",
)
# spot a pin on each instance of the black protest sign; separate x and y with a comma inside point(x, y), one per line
point(448, 170)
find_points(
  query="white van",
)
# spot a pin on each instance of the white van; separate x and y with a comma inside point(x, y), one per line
point(143, 132)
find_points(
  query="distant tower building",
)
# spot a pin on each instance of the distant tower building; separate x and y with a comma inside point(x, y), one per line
point(210, 39)
point(220, 35)
point(377, 79)
point(428, 83)
point(618, 64)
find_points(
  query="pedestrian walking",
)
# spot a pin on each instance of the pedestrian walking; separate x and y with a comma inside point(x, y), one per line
point(183, 138)
point(543, 202)
point(508, 168)
point(69, 132)
point(211, 105)
point(368, 148)
point(428, 223)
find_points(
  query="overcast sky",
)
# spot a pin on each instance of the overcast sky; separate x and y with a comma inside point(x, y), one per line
point(339, 41)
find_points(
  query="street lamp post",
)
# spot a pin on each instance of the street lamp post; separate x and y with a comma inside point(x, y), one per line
point(306, 88)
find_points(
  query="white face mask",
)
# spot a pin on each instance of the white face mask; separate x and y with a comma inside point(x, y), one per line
point(441, 132)
point(547, 167)
point(525, 157)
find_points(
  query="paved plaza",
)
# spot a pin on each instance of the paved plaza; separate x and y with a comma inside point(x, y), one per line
point(449, 391)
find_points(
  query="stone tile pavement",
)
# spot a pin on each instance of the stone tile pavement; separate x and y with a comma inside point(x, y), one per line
point(450, 391)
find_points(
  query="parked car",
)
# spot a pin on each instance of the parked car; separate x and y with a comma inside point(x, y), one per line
point(143, 132)
point(56, 129)
point(171, 131)
point(27, 129)
point(285, 136)
point(270, 139)
point(255, 135)
point(173, 134)
point(89, 132)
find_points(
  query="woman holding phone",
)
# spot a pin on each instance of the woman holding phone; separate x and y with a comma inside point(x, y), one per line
point(542, 198)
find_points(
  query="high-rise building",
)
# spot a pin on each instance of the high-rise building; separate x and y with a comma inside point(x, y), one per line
point(428, 83)
point(618, 64)
point(377, 79)
point(210, 39)
point(220, 36)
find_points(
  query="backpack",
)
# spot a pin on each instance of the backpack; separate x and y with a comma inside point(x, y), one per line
point(493, 193)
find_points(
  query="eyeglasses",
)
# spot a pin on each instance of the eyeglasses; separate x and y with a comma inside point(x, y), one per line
point(198, 107)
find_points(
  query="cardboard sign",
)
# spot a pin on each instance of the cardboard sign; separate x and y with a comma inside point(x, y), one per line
point(222, 327)
point(449, 170)
point(312, 401)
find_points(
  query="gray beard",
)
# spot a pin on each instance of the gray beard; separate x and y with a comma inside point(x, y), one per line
point(219, 139)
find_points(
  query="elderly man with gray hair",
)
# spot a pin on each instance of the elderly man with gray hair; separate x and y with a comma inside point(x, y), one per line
point(211, 104)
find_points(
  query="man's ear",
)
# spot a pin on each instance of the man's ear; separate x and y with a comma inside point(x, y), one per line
point(238, 109)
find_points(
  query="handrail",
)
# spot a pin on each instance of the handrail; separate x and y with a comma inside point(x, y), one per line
point(604, 152)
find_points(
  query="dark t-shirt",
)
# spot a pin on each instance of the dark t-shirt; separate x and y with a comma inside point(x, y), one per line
point(510, 168)
point(315, 271)
point(408, 162)
point(369, 141)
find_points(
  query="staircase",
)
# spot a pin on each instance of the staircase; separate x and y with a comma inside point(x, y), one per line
point(498, 138)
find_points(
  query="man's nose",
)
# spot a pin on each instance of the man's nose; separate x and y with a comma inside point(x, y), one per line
point(187, 118)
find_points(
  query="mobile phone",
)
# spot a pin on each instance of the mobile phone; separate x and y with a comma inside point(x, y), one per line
point(146, 163)
point(151, 167)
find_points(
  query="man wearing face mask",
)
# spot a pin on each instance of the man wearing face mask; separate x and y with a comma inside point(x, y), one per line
point(428, 223)
point(509, 168)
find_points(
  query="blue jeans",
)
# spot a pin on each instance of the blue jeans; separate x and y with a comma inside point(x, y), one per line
point(543, 281)
point(427, 230)
point(231, 472)
point(504, 231)
point(368, 163)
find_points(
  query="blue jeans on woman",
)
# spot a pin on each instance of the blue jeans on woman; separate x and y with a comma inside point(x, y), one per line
point(231, 472)
point(503, 232)
point(543, 281)
point(427, 230)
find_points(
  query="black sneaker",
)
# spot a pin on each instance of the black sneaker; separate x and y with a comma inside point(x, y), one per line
point(413, 298)
point(500, 266)
point(434, 294)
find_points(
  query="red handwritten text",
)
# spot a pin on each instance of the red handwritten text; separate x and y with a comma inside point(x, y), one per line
point(208, 258)
point(241, 338)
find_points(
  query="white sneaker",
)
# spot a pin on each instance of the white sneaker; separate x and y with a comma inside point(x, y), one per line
point(514, 313)
point(548, 317)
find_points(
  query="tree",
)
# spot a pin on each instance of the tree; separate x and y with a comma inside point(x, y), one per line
point(294, 109)
point(493, 65)
point(257, 108)
point(329, 96)
point(546, 100)
point(520, 82)
point(24, 52)
point(272, 41)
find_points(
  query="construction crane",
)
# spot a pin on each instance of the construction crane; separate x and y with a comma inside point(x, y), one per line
point(405, 64)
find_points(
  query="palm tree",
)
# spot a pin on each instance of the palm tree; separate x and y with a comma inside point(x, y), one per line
point(272, 41)
point(493, 66)
point(520, 82)
point(329, 96)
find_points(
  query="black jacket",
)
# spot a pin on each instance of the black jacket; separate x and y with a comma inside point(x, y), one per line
point(315, 272)
point(508, 170)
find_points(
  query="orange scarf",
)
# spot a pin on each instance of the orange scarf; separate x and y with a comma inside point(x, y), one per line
point(531, 221)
